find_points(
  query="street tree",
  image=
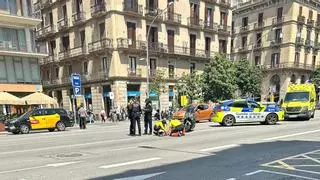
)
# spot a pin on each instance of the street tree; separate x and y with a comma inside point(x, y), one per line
point(219, 81)
point(158, 85)
point(190, 85)
point(315, 77)
point(248, 78)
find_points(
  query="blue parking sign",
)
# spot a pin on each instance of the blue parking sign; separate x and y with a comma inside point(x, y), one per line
point(77, 91)
point(76, 80)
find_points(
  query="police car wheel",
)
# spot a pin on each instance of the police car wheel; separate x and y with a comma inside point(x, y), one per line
point(271, 119)
point(228, 120)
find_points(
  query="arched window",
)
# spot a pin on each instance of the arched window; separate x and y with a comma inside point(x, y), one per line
point(293, 78)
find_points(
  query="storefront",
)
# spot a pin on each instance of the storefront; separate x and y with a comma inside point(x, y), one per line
point(88, 98)
point(133, 90)
point(106, 99)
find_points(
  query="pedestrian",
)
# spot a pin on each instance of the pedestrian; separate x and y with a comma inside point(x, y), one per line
point(82, 114)
point(102, 115)
point(129, 109)
point(148, 118)
point(157, 115)
point(136, 113)
point(118, 113)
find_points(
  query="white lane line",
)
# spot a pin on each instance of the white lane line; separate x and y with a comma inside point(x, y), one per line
point(39, 167)
point(65, 146)
point(129, 163)
point(253, 173)
point(231, 179)
point(62, 164)
point(291, 135)
point(121, 149)
point(219, 147)
point(291, 175)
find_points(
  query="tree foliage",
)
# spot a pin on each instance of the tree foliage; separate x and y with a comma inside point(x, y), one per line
point(158, 84)
point(315, 77)
point(248, 78)
point(219, 81)
point(190, 86)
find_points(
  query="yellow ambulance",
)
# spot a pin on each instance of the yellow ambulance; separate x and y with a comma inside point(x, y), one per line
point(300, 101)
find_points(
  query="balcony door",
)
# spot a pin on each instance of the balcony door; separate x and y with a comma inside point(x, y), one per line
point(131, 27)
point(279, 13)
point(193, 44)
point(194, 13)
point(171, 41)
point(170, 11)
point(153, 38)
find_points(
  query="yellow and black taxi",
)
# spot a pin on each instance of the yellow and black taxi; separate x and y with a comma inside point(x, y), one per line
point(229, 112)
point(39, 119)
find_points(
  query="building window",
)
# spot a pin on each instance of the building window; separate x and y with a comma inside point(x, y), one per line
point(101, 30)
point(57, 72)
point(278, 35)
point(244, 41)
point(65, 43)
point(207, 44)
point(314, 61)
point(193, 44)
point(297, 59)
point(82, 38)
point(192, 67)
point(171, 71)
point(132, 64)
point(260, 19)
point(85, 67)
point(275, 60)
point(104, 63)
point(223, 18)
point(257, 60)
point(9, 5)
point(223, 46)
point(153, 66)
point(258, 39)
point(69, 69)
point(48, 74)
point(310, 15)
point(245, 22)
point(209, 17)
point(279, 13)
point(13, 39)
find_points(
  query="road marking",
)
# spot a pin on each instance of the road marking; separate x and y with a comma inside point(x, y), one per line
point(62, 164)
point(231, 179)
point(312, 159)
point(280, 173)
point(253, 173)
point(124, 148)
point(129, 163)
point(65, 146)
point(39, 167)
point(285, 165)
point(220, 147)
point(141, 177)
point(291, 135)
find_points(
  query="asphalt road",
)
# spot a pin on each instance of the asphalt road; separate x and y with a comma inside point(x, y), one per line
point(289, 150)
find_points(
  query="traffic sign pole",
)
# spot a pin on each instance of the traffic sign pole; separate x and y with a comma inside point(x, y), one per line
point(76, 84)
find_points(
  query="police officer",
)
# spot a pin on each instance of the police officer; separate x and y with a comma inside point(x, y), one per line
point(131, 132)
point(136, 113)
point(148, 117)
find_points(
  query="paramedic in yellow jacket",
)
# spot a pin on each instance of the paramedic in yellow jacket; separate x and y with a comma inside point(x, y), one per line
point(160, 128)
point(176, 128)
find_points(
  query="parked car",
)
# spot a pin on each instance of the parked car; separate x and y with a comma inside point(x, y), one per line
point(37, 119)
point(201, 112)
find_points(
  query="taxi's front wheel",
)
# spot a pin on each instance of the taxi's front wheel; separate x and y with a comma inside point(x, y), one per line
point(61, 126)
point(24, 129)
point(228, 120)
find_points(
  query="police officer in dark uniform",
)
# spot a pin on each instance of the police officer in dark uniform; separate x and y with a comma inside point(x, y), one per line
point(131, 131)
point(136, 113)
point(148, 117)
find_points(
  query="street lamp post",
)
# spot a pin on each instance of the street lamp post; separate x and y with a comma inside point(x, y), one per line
point(148, 33)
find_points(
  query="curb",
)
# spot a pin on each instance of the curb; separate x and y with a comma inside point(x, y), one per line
point(3, 133)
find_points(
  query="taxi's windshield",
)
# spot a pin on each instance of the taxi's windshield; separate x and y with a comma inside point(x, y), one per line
point(26, 115)
point(296, 96)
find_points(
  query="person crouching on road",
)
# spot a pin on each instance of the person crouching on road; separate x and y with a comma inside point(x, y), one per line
point(176, 128)
point(160, 128)
point(82, 114)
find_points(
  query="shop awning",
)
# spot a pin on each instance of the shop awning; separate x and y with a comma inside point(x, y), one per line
point(9, 99)
point(39, 98)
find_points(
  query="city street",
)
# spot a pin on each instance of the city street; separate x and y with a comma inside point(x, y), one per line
point(289, 150)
